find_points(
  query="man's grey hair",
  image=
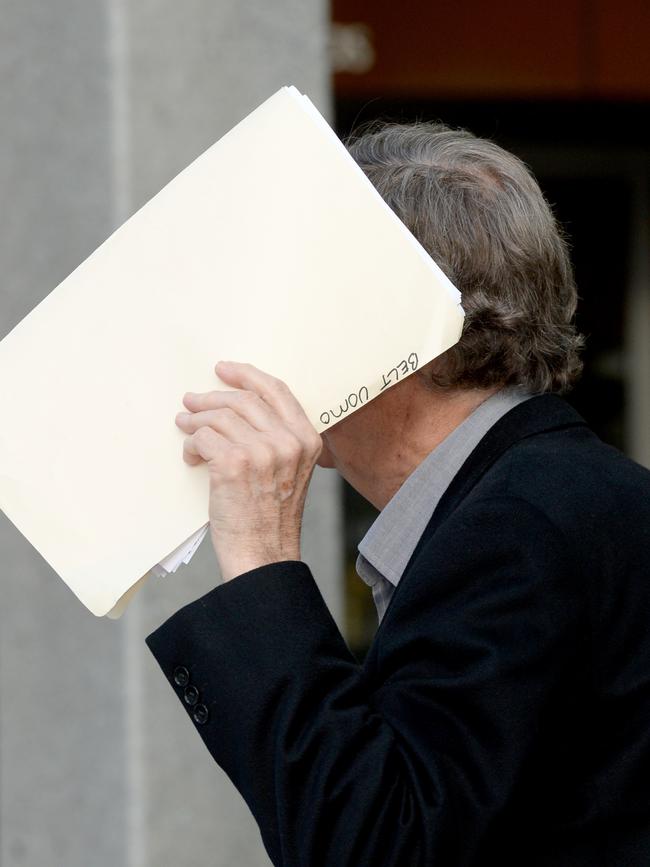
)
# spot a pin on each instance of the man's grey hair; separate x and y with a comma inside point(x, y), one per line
point(480, 214)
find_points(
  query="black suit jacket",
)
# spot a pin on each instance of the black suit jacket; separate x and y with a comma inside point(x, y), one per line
point(502, 714)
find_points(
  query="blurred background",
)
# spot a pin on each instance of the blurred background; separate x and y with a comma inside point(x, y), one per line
point(102, 102)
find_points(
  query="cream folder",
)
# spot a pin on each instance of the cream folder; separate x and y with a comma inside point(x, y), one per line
point(272, 248)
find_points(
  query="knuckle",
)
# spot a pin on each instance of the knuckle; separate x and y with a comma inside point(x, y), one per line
point(273, 384)
point(247, 397)
point(224, 412)
point(212, 398)
point(209, 400)
point(203, 434)
point(280, 385)
point(290, 447)
point(265, 454)
point(238, 458)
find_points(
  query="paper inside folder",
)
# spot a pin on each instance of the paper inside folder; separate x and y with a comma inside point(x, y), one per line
point(182, 554)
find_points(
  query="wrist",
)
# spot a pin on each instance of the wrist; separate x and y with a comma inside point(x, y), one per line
point(232, 567)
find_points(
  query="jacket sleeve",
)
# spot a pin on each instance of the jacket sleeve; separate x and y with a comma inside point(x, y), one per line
point(409, 765)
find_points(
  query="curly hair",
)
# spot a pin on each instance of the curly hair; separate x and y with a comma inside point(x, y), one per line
point(480, 214)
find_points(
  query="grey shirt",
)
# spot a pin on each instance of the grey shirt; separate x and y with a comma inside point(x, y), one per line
point(389, 543)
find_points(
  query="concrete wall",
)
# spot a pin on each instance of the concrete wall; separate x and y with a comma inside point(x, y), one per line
point(102, 102)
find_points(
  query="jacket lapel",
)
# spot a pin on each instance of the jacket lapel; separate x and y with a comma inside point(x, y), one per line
point(539, 414)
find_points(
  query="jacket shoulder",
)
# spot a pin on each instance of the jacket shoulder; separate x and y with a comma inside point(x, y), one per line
point(580, 482)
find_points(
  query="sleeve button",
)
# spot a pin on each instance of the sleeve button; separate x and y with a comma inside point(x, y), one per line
point(191, 695)
point(181, 675)
point(200, 714)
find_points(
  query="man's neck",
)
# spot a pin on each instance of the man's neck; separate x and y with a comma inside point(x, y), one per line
point(377, 447)
point(423, 426)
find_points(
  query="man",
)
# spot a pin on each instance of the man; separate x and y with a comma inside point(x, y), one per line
point(502, 714)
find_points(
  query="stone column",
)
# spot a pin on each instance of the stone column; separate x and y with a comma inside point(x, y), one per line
point(103, 102)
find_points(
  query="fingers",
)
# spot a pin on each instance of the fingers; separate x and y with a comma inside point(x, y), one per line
point(271, 390)
point(259, 404)
point(226, 459)
point(229, 460)
point(234, 430)
point(246, 404)
point(205, 444)
point(276, 394)
point(212, 432)
point(223, 420)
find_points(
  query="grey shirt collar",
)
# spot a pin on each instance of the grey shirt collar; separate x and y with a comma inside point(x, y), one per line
point(388, 545)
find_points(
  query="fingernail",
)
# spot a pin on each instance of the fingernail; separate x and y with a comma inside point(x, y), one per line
point(182, 416)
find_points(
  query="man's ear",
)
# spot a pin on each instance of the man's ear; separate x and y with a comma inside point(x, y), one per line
point(426, 375)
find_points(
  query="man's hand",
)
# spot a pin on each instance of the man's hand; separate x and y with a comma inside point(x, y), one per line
point(261, 450)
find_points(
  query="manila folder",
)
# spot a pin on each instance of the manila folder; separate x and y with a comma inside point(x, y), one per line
point(272, 247)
